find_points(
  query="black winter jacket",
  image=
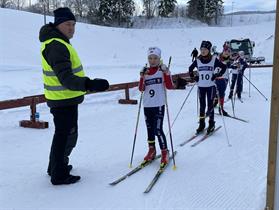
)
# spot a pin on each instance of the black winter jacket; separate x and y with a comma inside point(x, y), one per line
point(58, 57)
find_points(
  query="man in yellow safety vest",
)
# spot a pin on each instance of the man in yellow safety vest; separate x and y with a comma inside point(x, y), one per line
point(65, 84)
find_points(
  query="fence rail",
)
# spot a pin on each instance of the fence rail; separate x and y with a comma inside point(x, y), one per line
point(32, 101)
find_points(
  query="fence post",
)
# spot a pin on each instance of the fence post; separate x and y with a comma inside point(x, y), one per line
point(127, 99)
point(32, 123)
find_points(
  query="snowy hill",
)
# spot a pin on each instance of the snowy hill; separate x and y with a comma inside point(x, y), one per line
point(116, 53)
point(211, 176)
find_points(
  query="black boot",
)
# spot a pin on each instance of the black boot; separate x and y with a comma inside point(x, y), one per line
point(70, 179)
point(239, 96)
point(201, 126)
point(211, 127)
point(224, 112)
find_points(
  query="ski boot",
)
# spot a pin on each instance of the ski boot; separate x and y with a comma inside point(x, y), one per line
point(239, 96)
point(201, 126)
point(70, 179)
point(211, 127)
point(164, 158)
point(221, 110)
point(151, 154)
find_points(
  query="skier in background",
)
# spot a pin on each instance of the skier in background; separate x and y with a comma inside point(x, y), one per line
point(153, 81)
point(222, 82)
point(238, 67)
point(194, 54)
point(214, 50)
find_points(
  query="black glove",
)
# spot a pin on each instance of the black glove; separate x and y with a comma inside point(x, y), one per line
point(143, 71)
point(96, 84)
point(181, 83)
point(193, 77)
point(214, 76)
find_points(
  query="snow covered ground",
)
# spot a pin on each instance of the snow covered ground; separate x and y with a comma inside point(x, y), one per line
point(211, 176)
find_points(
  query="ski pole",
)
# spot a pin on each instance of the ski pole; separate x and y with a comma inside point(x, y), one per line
point(231, 98)
point(235, 89)
point(250, 80)
point(183, 105)
point(136, 129)
point(255, 87)
point(198, 96)
point(227, 137)
point(168, 115)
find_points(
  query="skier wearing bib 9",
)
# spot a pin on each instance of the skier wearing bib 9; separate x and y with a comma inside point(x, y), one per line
point(238, 68)
point(153, 81)
point(222, 82)
point(206, 65)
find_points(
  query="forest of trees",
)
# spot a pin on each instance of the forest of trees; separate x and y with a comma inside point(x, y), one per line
point(120, 12)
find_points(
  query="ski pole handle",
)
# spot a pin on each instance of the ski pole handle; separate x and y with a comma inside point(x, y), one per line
point(169, 62)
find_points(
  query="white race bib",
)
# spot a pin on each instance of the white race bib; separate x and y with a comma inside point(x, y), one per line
point(154, 95)
point(205, 73)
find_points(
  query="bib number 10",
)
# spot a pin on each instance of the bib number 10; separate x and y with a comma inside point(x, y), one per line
point(205, 77)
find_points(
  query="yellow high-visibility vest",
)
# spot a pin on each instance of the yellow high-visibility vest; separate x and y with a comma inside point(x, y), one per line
point(53, 89)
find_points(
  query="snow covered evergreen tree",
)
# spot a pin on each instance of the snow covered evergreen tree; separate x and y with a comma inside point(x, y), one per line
point(166, 7)
point(205, 10)
point(123, 10)
point(115, 11)
point(213, 9)
point(105, 12)
point(195, 9)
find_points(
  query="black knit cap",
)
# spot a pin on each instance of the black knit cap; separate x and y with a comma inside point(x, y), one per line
point(63, 14)
point(206, 44)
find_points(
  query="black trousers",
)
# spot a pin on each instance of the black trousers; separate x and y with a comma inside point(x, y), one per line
point(209, 94)
point(64, 139)
point(154, 118)
point(238, 80)
point(221, 85)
